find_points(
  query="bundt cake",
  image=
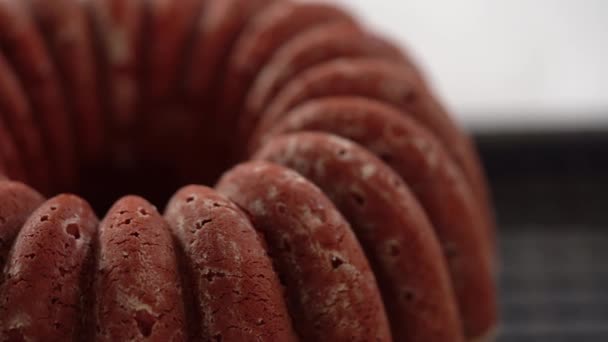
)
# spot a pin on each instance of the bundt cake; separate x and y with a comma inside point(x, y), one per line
point(348, 205)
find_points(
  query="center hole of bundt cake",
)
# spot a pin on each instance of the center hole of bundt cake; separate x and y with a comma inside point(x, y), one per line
point(154, 176)
point(104, 184)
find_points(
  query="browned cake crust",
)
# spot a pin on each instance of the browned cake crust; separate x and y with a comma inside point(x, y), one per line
point(69, 37)
point(263, 35)
point(236, 295)
point(3, 172)
point(218, 30)
point(166, 52)
point(41, 296)
point(138, 292)
point(17, 202)
point(395, 232)
point(119, 32)
point(436, 181)
point(315, 46)
point(112, 97)
point(25, 48)
point(213, 35)
point(168, 126)
point(392, 83)
point(18, 119)
point(331, 290)
point(12, 162)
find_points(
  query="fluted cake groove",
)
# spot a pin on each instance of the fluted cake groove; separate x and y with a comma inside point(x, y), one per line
point(348, 204)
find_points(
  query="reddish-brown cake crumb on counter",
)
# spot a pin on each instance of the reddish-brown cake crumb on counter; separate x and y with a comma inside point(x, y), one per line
point(17, 202)
point(331, 290)
point(395, 233)
point(41, 296)
point(235, 293)
point(70, 41)
point(19, 120)
point(25, 48)
point(138, 291)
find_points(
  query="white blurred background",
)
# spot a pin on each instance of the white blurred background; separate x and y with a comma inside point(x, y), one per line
point(506, 64)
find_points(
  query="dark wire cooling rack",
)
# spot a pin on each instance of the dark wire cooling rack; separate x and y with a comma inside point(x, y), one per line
point(551, 194)
point(554, 284)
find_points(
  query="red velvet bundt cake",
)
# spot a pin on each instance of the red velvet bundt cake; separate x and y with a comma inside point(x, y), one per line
point(361, 215)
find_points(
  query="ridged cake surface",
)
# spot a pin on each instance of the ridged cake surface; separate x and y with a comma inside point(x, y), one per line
point(348, 205)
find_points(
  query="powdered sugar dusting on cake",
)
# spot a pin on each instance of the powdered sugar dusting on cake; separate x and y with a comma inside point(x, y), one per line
point(367, 171)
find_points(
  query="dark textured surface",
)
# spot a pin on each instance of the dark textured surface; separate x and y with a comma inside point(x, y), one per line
point(548, 178)
point(551, 193)
point(554, 284)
